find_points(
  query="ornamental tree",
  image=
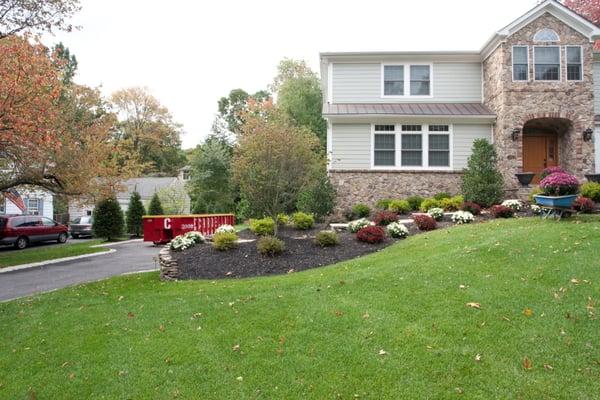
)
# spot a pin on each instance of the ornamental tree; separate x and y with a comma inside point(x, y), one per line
point(135, 212)
point(481, 181)
point(274, 160)
point(155, 207)
point(108, 219)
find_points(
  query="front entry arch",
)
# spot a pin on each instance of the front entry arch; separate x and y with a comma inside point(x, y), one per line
point(541, 144)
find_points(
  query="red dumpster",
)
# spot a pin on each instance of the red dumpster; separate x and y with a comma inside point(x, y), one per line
point(163, 228)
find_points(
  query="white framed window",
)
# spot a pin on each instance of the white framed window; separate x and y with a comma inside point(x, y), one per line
point(407, 80)
point(520, 63)
point(412, 146)
point(546, 60)
point(384, 146)
point(33, 206)
point(574, 63)
point(546, 35)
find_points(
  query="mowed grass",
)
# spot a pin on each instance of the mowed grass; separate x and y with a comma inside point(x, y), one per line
point(392, 325)
point(45, 252)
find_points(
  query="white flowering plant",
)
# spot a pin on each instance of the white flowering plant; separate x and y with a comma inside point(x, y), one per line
point(436, 213)
point(462, 217)
point(537, 210)
point(196, 236)
point(355, 226)
point(397, 230)
point(513, 204)
point(225, 228)
point(187, 240)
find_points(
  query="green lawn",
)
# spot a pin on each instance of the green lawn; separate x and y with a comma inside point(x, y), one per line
point(34, 254)
point(392, 325)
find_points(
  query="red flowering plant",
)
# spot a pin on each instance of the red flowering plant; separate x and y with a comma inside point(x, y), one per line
point(551, 170)
point(559, 184)
point(425, 222)
point(500, 211)
point(584, 205)
point(385, 218)
point(471, 207)
point(371, 234)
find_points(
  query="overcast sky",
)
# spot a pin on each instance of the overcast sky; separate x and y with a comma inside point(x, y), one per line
point(190, 53)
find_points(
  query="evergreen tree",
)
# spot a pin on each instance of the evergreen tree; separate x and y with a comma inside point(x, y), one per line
point(482, 182)
point(135, 211)
point(155, 206)
point(108, 219)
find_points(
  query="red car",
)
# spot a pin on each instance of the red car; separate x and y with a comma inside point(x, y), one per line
point(21, 230)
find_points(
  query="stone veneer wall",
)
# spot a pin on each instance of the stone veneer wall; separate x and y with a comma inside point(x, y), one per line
point(169, 269)
point(515, 103)
point(369, 186)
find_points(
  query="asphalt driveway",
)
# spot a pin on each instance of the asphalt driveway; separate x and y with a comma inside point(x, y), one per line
point(129, 257)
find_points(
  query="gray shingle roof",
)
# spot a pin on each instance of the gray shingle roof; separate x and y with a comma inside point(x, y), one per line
point(146, 187)
point(409, 109)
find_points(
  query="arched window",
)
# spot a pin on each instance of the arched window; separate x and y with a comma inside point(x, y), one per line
point(546, 35)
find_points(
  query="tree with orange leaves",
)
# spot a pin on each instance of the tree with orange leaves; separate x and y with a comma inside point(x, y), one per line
point(53, 135)
point(589, 9)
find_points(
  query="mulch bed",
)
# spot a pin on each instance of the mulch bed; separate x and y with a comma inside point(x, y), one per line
point(301, 253)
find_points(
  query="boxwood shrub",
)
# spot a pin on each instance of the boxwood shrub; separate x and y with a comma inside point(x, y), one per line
point(263, 226)
point(270, 246)
point(303, 220)
point(224, 240)
point(399, 206)
point(361, 210)
point(327, 239)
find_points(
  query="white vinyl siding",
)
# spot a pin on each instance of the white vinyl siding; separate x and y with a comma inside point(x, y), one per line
point(362, 83)
point(597, 87)
point(351, 146)
point(464, 135)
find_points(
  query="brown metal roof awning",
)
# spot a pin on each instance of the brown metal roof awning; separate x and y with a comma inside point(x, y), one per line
point(409, 109)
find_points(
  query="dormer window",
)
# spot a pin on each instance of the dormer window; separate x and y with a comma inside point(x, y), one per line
point(546, 35)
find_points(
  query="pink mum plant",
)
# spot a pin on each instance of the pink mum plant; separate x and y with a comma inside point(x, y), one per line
point(559, 184)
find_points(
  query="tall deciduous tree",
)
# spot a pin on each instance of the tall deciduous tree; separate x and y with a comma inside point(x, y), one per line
point(590, 9)
point(36, 15)
point(299, 95)
point(52, 135)
point(147, 128)
point(274, 159)
point(233, 107)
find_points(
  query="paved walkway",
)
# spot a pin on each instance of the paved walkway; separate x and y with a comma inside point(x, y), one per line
point(129, 257)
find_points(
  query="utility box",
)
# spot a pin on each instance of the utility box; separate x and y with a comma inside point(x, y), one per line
point(160, 229)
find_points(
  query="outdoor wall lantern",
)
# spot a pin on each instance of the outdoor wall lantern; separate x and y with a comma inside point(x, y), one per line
point(515, 133)
point(587, 134)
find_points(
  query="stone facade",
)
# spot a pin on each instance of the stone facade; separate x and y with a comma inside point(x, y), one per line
point(516, 103)
point(369, 186)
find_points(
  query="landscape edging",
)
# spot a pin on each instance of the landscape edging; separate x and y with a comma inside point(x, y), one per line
point(169, 269)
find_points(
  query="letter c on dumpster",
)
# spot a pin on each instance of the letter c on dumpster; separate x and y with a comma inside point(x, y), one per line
point(167, 223)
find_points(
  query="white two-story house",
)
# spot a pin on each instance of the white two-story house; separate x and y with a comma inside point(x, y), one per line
point(403, 123)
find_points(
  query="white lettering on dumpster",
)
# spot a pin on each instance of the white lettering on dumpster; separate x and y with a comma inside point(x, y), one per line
point(167, 223)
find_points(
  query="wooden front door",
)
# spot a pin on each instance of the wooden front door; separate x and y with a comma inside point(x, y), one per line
point(539, 152)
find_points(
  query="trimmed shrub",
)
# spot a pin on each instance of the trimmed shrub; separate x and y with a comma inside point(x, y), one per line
point(399, 206)
point(270, 246)
point(263, 226)
point(425, 222)
point(361, 210)
point(436, 213)
point(108, 219)
point(384, 218)
point(442, 196)
point(283, 219)
point(499, 211)
point(371, 234)
point(534, 192)
point(302, 220)
point(591, 190)
point(397, 230)
point(224, 241)
point(428, 204)
point(415, 202)
point(559, 184)
point(327, 239)
point(135, 212)
point(584, 205)
point(516, 205)
point(383, 204)
point(481, 181)
point(355, 226)
point(462, 217)
point(155, 207)
point(452, 203)
point(471, 207)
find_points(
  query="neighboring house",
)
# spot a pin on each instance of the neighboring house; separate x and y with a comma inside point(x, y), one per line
point(35, 201)
point(403, 123)
point(172, 188)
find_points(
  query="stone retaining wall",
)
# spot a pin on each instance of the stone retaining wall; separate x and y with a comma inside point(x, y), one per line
point(369, 186)
point(169, 270)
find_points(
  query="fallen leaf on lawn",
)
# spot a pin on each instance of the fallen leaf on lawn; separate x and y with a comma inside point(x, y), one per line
point(121, 298)
point(506, 318)
point(527, 364)
point(65, 364)
point(382, 352)
point(236, 348)
point(239, 378)
point(528, 312)
point(291, 271)
point(338, 313)
point(478, 357)
point(548, 366)
point(458, 390)
point(462, 286)
point(366, 315)
point(575, 281)
point(229, 273)
point(121, 373)
point(342, 283)
point(71, 375)
point(474, 305)
point(130, 314)
point(161, 328)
